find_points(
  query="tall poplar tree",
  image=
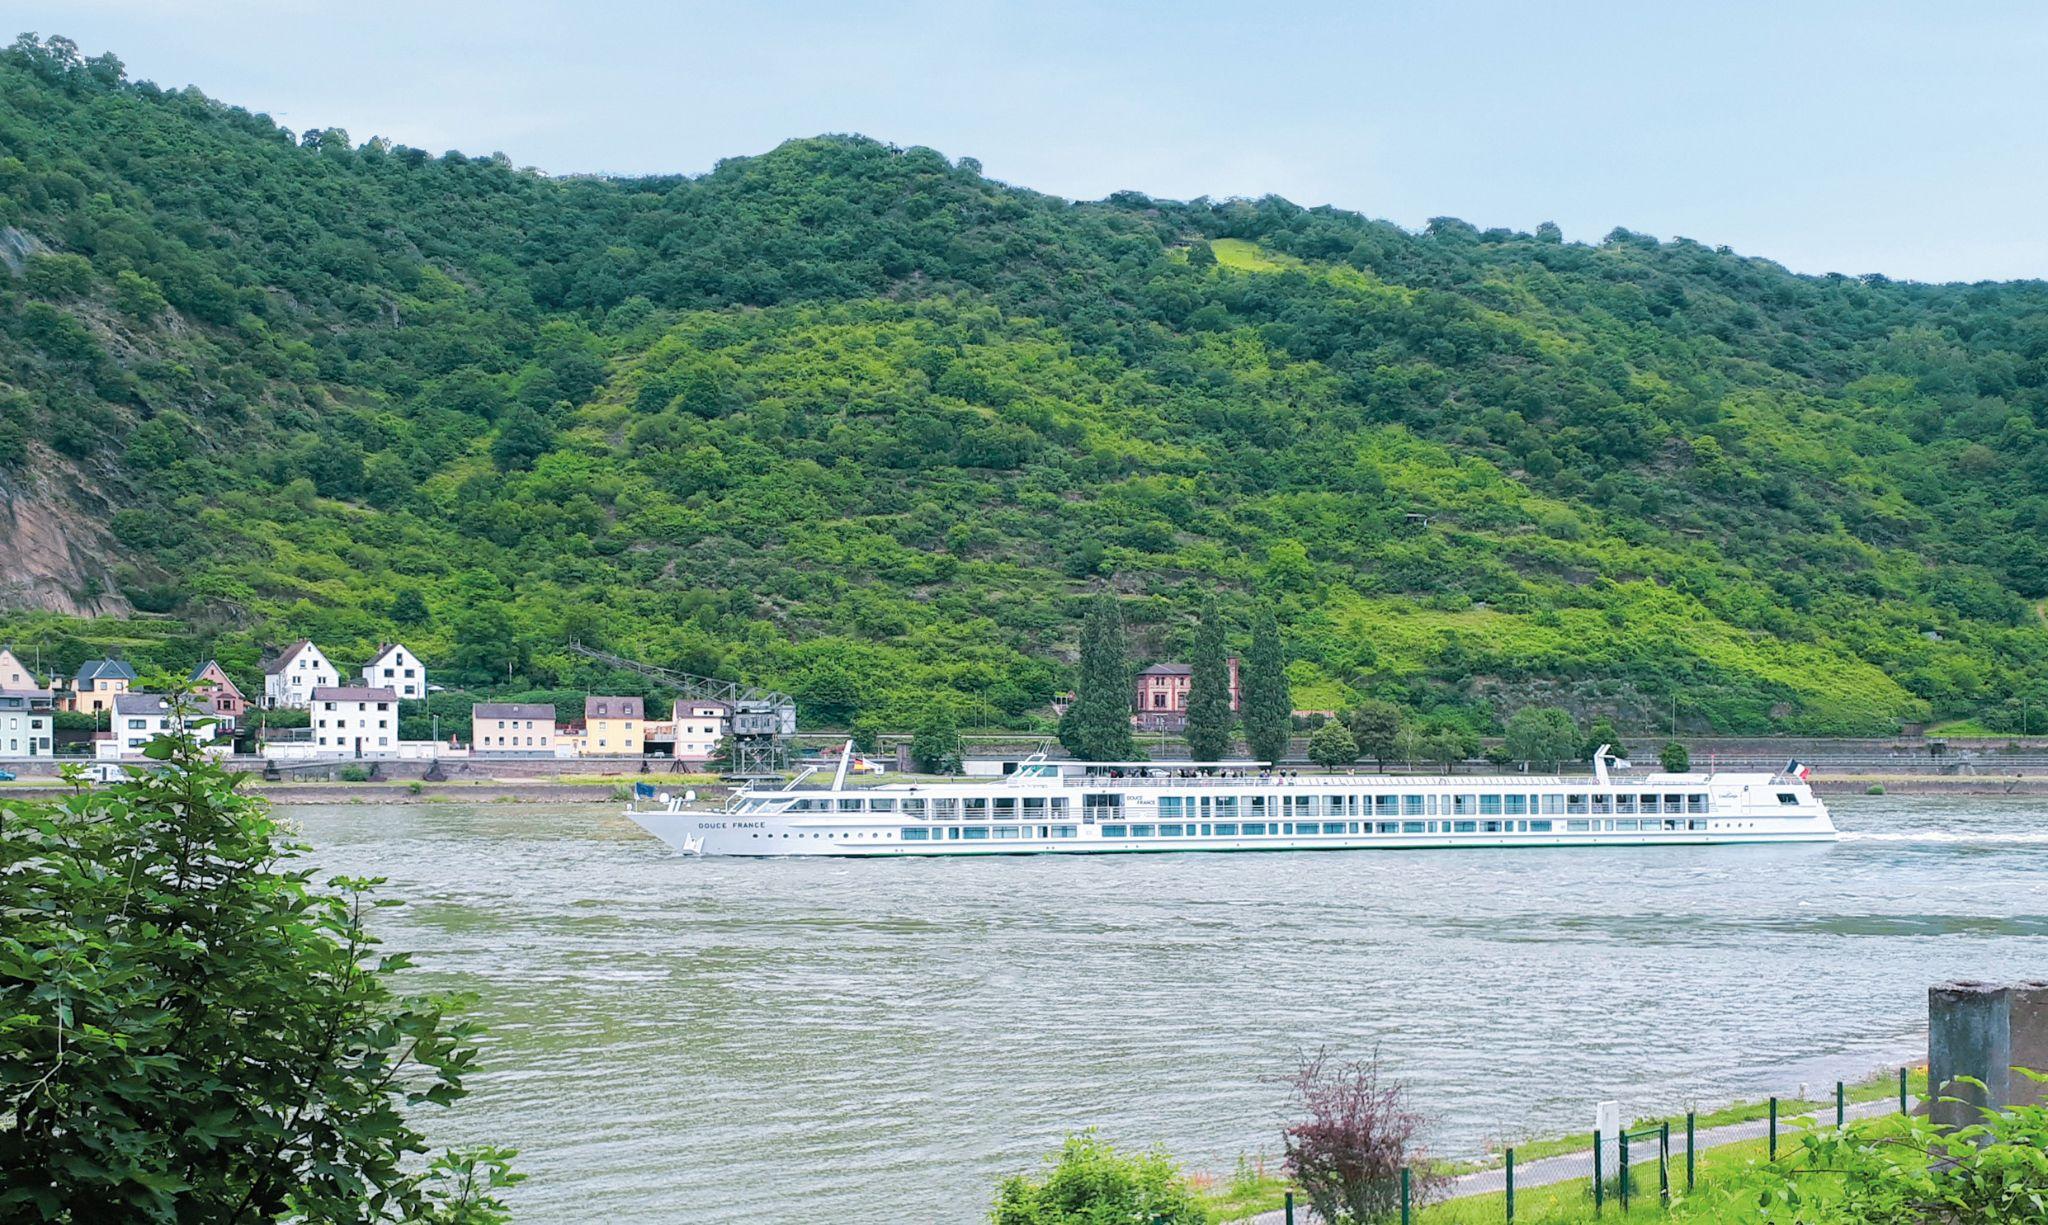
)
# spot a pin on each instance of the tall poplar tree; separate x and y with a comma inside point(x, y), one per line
point(1268, 708)
point(1209, 715)
point(1097, 727)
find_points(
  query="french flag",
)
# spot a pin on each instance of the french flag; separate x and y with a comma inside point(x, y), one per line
point(1797, 769)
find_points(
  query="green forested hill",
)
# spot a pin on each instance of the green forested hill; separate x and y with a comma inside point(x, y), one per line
point(857, 421)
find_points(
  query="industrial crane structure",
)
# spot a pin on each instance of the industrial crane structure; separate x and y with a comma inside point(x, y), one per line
point(762, 722)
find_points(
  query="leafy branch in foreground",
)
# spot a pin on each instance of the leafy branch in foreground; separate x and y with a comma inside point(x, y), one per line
point(192, 1030)
point(1915, 1172)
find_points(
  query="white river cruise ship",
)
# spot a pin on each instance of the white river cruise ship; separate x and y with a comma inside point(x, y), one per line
point(1077, 808)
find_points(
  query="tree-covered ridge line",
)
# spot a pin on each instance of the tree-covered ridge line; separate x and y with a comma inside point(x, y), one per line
point(858, 422)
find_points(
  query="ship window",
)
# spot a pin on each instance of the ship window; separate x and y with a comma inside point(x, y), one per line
point(1786, 797)
point(1517, 805)
point(1143, 831)
point(1169, 806)
point(1695, 824)
point(977, 808)
point(1226, 806)
point(1539, 827)
point(1627, 827)
point(1008, 831)
point(1411, 805)
point(1603, 803)
point(1006, 807)
point(1255, 827)
point(1387, 827)
point(1226, 830)
point(1411, 827)
point(1116, 831)
point(1066, 831)
point(1169, 831)
point(1575, 803)
point(1489, 827)
point(1674, 803)
point(1625, 803)
point(1465, 827)
point(882, 805)
point(913, 808)
point(1034, 805)
point(1575, 827)
point(1696, 803)
point(1059, 805)
point(953, 832)
point(973, 832)
point(1649, 803)
point(1383, 805)
point(1489, 805)
point(1553, 805)
point(1333, 827)
point(916, 835)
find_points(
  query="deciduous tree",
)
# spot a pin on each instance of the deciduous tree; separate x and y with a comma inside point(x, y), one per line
point(935, 742)
point(1542, 735)
point(1332, 746)
point(1376, 726)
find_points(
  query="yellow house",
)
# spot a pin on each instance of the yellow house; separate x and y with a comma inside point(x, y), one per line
point(98, 683)
point(613, 727)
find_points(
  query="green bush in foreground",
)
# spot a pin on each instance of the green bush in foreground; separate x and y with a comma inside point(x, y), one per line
point(1916, 1173)
point(1090, 1183)
point(190, 1030)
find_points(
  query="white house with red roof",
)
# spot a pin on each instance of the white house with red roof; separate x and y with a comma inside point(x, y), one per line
point(290, 679)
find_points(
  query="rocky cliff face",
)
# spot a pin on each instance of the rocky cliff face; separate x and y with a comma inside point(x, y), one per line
point(52, 557)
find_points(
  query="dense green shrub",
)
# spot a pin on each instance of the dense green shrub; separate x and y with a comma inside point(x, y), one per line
point(1089, 1183)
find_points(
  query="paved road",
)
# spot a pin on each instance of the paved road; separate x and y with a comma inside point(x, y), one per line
point(1567, 1166)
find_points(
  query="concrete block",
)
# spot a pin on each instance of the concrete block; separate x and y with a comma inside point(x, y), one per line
point(2029, 1041)
point(1969, 1033)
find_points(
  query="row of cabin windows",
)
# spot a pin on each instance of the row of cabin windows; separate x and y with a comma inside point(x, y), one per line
point(978, 808)
point(1492, 804)
point(1256, 829)
point(983, 833)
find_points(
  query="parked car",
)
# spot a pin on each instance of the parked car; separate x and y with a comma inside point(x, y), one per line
point(6, 776)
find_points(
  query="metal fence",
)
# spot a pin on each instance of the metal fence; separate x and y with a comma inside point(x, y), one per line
point(1627, 1172)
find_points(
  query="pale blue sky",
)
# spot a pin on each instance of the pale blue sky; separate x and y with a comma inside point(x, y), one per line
point(1894, 138)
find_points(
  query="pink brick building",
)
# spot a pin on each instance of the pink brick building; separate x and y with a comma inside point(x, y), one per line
point(1160, 697)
